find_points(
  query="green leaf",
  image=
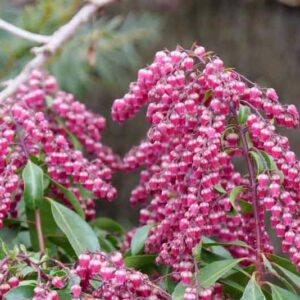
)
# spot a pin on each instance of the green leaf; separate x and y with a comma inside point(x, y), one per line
point(33, 178)
point(243, 114)
point(64, 295)
point(279, 293)
point(283, 262)
point(231, 287)
point(139, 239)
point(46, 182)
point(62, 242)
point(178, 292)
point(49, 226)
point(235, 243)
point(234, 193)
point(246, 207)
point(3, 249)
point(253, 291)
point(209, 256)
point(78, 232)
point(207, 95)
point(49, 101)
point(197, 252)
point(140, 262)
point(268, 264)
point(275, 273)
point(30, 216)
point(106, 245)
point(260, 166)
point(70, 196)
point(20, 293)
point(215, 247)
point(269, 160)
point(84, 193)
point(213, 271)
point(107, 224)
point(289, 275)
point(249, 140)
point(219, 189)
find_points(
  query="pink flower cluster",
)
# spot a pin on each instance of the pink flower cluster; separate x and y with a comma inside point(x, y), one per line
point(118, 281)
point(42, 121)
point(193, 106)
point(100, 275)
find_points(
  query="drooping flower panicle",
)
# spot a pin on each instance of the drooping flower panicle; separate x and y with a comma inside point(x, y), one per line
point(202, 116)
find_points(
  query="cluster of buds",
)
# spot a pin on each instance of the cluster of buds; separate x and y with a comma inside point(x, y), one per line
point(44, 122)
point(47, 286)
point(118, 281)
point(194, 107)
point(99, 275)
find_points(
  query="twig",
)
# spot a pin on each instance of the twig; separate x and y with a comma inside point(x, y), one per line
point(59, 37)
point(24, 34)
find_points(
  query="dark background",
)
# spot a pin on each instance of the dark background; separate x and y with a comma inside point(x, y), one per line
point(260, 38)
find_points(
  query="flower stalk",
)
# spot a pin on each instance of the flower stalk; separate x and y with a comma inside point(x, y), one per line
point(253, 188)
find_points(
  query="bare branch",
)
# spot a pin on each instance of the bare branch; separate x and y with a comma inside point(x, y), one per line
point(24, 34)
point(55, 42)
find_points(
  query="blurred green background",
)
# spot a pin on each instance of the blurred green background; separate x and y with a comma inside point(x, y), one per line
point(260, 38)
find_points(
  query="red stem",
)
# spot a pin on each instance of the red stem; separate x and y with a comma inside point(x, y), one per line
point(255, 200)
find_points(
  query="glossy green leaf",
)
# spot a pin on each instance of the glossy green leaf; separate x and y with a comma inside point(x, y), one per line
point(231, 287)
point(215, 247)
point(269, 266)
point(178, 292)
point(259, 162)
point(234, 193)
point(289, 275)
point(253, 291)
point(243, 114)
point(49, 101)
point(84, 193)
point(283, 262)
point(20, 293)
point(3, 249)
point(213, 271)
point(30, 216)
point(235, 243)
point(246, 207)
point(49, 226)
point(279, 293)
point(106, 245)
point(219, 189)
point(249, 140)
point(107, 224)
point(64, 295)
point(269, 160)
point(207, 95)
point(209, 256)
point(62, 242)
point(139, 239)
point(197, 252)
point(140, 262)
point(33, 178)
point(70, 196)
point(78, 232)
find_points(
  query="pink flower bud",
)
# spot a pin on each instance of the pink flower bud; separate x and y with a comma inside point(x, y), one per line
point(186, 277)
point(76, 290)
point(117, 259)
